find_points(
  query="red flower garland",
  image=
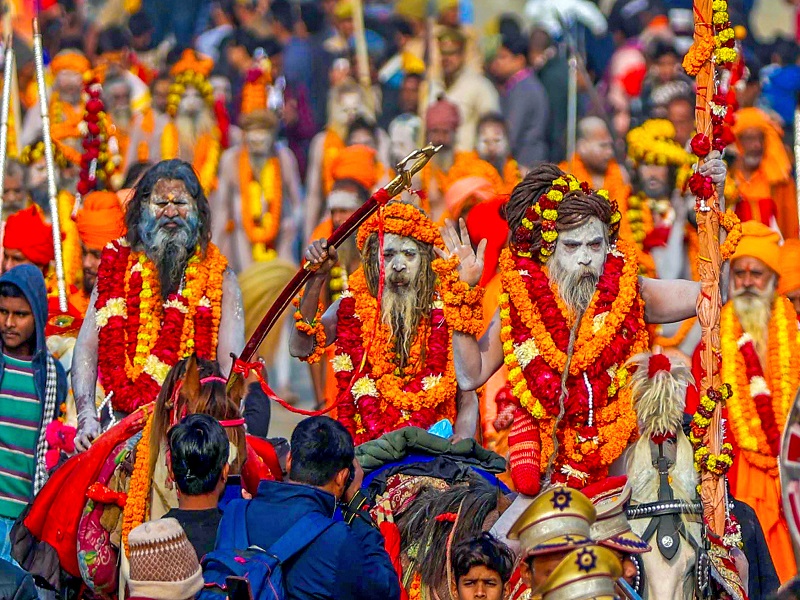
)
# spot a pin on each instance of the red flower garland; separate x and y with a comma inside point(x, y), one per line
point(371, 416)
point(546, 381)
point(100, 158)
point(117, 335)
point(763, 400)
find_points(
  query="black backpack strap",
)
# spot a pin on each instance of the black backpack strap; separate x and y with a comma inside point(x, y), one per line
point(300, 535)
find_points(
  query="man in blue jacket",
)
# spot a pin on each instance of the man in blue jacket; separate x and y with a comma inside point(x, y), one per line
point(348, 560)
point(32, 388)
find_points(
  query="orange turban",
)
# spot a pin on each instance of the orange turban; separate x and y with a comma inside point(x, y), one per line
point(465, 188)
point(790, 263)
point(443, 113)
point(775, 163)
point(358, 163)
point(27, 232)
point(70, 60)
point(761, 242)
point(100, 220)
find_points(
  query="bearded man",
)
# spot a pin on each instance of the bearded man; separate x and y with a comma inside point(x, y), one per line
point(347, 103)
point(761, 362)
point(493, 147)
point(594, 162)
point(163, 293)
point(259, 185)
point(392, 360)
point(66, 102)
point(572, 312)
point(137, 131)
point(192, 133)
point(763, 173)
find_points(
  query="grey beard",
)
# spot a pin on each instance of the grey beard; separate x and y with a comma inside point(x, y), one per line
point(170, 252)
point(576, 288)
point(753, 313)
point(400, 312)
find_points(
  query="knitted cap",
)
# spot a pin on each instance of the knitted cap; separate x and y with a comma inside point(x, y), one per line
point(163, 564)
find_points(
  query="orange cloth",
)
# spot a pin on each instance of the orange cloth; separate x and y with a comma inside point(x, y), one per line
point(358, 163)
point(478, 189)
point(770, 190)
point(761, 242)
point(27, 232)
point(761, 201)
point(100, 220)
point(790, 267)
point(488, 405)
point(80, 300)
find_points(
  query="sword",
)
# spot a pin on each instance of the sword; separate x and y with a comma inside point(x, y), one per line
point(406, 169)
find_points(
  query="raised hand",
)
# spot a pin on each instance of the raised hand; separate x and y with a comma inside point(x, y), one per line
point(470, 267)
point(321, 258)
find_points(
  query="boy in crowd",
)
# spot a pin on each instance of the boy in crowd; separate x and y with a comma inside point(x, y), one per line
point(482, 567)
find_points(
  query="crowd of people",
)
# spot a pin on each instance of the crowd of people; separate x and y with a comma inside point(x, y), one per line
point(513, 343)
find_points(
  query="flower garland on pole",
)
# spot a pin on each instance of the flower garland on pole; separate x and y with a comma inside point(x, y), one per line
point(709, 60)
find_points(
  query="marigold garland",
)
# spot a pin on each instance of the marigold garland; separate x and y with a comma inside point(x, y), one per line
point(373, 395)
point(704, 459)
point(699, 52)
point(137, 506)
point(401, 219)
point(535, 335)
point(140, 335)
point(315, 329)
point(206, 157)
point(653, 143)
point(260, 226)
point(463, 306)
point(101, 158)
point(758, 407)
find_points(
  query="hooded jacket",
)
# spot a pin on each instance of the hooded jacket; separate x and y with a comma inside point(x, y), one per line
point(30, 281)
point(343, 563)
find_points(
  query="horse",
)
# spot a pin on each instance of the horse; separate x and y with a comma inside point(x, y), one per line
point(665, 509)
point(76, 522)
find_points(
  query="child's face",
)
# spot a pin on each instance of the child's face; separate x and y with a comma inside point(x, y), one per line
point(17, 326)
point(481, 583)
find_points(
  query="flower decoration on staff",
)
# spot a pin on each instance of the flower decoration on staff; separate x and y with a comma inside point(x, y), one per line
point(704, 459)
point(724, 35)
point(315, 328)
point(35, 153)
point(101, 159)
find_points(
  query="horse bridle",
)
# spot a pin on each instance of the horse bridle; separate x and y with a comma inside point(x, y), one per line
point(665, 521)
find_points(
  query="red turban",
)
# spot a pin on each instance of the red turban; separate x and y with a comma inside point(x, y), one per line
point(485, 221)
point(27, 232)
point(100, 220)
point(443, 113)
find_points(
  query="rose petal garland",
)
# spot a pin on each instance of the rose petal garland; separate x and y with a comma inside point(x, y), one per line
point(534, 331)
point(373, 396)
point(101, 157)
point(141, 338)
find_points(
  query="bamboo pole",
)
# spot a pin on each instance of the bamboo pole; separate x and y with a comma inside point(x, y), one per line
point(362, 57)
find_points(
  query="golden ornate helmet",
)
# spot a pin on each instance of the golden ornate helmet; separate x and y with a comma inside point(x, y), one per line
point(611, 529)
point(587, 573)
point(653, 143)
point(556, 520)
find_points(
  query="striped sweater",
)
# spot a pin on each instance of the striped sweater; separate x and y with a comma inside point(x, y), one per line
point(20, 420)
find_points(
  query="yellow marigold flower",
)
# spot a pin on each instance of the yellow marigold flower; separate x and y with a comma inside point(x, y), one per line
point(603, 194)
point(555, 196)
point(527, 223)
point(550, 236)
point(550, 214)
point(364, 387)
point(559, 181)
point(720, 17)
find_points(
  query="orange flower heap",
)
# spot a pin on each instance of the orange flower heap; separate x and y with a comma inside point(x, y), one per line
point(404, 220)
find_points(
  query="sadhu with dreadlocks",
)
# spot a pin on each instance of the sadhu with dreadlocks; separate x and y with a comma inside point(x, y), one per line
point(572, 312)
point(394, 358)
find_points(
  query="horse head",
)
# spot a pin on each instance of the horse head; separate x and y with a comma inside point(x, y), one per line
point(663, 480)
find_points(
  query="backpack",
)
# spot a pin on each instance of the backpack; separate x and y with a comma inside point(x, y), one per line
point(234, 556)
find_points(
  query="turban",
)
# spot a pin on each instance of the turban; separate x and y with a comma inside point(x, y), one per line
point(443, 113)
point(404, 220)
point(70, 60)
point(411, 9)
point(790, 263)
point(761, 242)
point(357, 163)
point(464, 189)
point(27, 232)
point(100, 220)
point(775, 163)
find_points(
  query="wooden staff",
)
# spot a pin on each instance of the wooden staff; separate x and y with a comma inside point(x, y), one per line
point(709, 304)
point(4, 110)
point(362, 56)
